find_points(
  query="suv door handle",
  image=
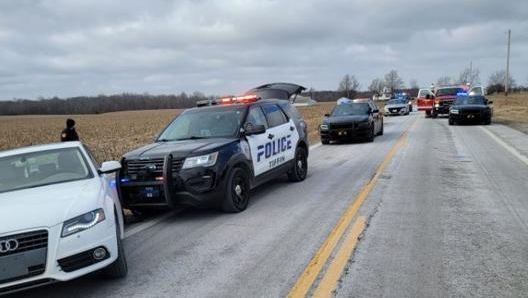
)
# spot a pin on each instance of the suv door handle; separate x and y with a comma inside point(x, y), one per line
point(270, 136)
point(292, 128)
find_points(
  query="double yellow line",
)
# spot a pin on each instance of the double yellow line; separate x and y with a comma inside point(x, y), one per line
point(334, 271)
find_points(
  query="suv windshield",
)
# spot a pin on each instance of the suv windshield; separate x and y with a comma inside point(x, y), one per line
point(351, 109)
point(208, 122)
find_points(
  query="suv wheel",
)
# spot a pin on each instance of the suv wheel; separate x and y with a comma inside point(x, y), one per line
point(236, 196)
point(300, 168)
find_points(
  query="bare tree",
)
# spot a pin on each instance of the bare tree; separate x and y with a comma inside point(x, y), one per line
point(469, 75)
point(376, 86)
point(393, 81)
point(444, 81)
point(496, 82)
point(349, 85)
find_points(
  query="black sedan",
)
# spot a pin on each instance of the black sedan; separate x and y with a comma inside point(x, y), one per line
point(352, 120)
point(471, 109)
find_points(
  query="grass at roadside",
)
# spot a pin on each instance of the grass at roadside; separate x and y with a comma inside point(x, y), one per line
point(511, 110)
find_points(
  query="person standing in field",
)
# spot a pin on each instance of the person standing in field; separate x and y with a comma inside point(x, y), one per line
point(69, 133)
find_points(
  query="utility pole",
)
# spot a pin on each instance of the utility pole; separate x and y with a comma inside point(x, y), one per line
point(506, 83)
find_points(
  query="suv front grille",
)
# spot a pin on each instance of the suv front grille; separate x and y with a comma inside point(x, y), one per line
point(149, 169)
point(144, 170)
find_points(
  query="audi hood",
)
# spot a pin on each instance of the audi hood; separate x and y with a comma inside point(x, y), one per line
point(49, 205)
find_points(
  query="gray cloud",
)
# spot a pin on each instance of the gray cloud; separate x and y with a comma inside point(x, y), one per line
point(79, 47)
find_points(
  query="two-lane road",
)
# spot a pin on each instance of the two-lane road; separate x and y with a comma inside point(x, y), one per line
point(446, 216)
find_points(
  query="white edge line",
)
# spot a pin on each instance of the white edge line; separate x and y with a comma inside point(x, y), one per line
point(148, 224)
point(506, 146)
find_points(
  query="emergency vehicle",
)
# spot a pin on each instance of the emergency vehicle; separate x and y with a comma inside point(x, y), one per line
point(214, 154)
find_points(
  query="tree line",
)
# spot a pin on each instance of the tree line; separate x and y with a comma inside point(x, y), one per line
point(99, 104)
point(348, 87)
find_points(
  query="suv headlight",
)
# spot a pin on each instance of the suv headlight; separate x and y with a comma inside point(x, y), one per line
point(200, 161)
point(323, 126)
point(454, 111)
point(82, 222)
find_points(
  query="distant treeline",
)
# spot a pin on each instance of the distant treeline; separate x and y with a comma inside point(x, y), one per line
point(126, 101)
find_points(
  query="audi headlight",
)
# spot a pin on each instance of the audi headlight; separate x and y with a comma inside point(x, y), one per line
point(200, 161)
point(323, 127)
point(82, 222)
point(454, 111)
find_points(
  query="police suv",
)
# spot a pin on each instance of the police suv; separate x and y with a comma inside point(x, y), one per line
point(213, 154)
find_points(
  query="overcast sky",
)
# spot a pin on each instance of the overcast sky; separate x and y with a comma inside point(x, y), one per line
point(69, 48)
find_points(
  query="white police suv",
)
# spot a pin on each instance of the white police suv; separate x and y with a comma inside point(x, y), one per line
point(212, 155)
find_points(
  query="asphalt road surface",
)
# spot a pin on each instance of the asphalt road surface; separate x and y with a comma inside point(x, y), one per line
point(426, 210)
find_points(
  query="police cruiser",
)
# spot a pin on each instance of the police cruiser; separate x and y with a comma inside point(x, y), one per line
point(214, 154)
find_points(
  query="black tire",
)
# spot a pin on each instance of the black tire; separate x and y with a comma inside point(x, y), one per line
point(119, 268)
point(427, 114)
point(434, 114)
point(299, 170)
point(487, 121)
point(451, 121)
point(325, 141)
point(371, 135)
point(237, 190)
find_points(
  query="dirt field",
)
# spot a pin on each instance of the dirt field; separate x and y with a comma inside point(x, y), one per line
point(111, 135)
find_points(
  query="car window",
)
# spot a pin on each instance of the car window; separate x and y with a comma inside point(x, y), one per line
point(350, 109)
point(424, 93)
point(205, 123)
point(42, 168)
point(290, 110)
point(256, 116)
point(274, 115)
point(449, 91)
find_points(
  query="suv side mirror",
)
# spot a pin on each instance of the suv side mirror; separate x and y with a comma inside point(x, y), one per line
point(251, 129)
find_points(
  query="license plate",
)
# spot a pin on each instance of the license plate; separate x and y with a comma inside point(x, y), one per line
point(150, 192)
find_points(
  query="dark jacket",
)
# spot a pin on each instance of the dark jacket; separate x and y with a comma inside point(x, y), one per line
point(69, 134)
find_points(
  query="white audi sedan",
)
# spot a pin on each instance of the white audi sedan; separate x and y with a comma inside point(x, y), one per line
point(60, 216)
